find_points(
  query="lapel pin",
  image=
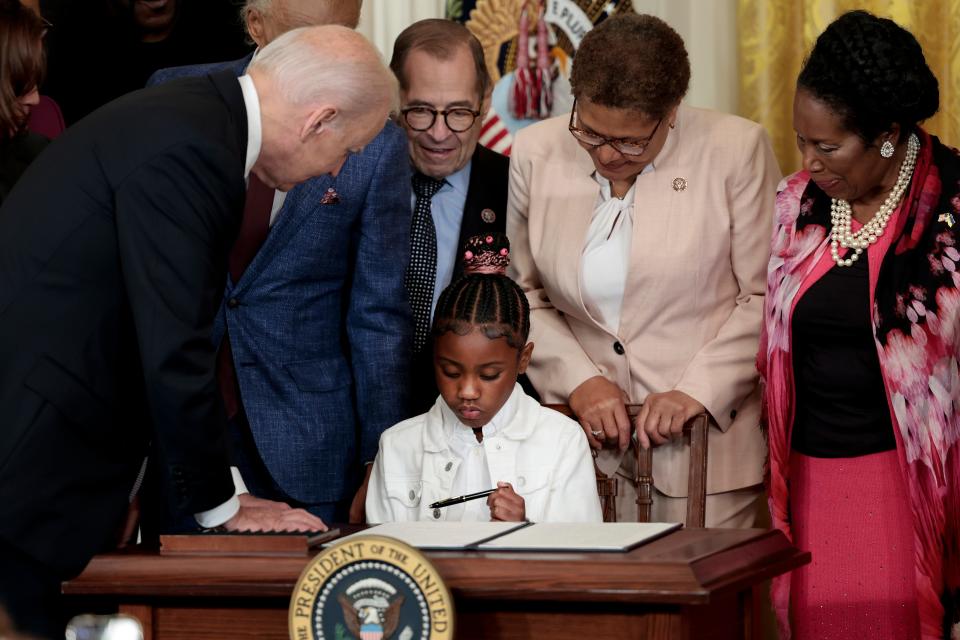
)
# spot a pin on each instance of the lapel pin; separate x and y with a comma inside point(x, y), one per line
point(488, 216)
point(679, 184)
point(948, 218)
point(330, 197)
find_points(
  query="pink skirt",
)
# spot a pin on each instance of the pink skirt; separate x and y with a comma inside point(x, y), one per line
point(853, 515)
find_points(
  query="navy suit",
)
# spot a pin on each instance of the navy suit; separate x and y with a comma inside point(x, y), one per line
point(320, 327)
point(113, 249)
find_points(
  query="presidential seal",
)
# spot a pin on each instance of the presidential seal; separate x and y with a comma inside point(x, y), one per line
point(370, 588)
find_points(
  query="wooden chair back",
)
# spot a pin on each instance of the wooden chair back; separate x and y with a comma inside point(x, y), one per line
point(695, 433)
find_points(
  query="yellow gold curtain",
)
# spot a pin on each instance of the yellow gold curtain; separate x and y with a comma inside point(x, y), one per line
point(776, 35)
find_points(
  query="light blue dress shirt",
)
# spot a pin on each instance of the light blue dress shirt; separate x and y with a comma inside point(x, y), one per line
point(446, 208)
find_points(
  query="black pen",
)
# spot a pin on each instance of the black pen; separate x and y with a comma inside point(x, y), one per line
point(470, 496)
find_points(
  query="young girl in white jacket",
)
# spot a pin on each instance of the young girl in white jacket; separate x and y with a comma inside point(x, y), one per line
point(483, 432)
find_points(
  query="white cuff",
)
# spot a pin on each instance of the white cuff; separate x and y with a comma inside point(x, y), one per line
point(239, 486)
point(218, 515)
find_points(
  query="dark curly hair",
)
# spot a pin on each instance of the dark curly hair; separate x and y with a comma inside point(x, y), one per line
point(488, 302)
point(632, 61)
point(871, 72)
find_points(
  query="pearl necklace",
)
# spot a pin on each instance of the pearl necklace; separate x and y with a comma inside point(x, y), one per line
point(841, 213)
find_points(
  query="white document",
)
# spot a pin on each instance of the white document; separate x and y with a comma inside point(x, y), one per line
point(439, 535)
point(590, 536)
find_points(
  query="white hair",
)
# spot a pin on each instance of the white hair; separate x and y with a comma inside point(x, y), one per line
point(326, 13)
point(259, 5)
point(328, 64)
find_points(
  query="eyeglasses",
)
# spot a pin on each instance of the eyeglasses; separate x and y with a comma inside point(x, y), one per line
point(458, 119)
point(47, 25)
point(626, 146)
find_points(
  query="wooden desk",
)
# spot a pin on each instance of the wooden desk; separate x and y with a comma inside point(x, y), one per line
point(693, 583)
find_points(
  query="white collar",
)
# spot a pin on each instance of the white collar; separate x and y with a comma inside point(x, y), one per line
point(251, 100)
point(453, 428)
point(606, 188)
point(510, 422)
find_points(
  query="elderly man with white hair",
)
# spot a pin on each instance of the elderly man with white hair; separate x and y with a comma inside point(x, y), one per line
point(113, 255)
point(302, 427)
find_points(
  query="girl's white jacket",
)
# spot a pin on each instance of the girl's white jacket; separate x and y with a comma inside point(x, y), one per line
point(542, 453)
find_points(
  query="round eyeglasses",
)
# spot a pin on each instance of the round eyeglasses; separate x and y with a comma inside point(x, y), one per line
point(626, 146)
point(458, 119)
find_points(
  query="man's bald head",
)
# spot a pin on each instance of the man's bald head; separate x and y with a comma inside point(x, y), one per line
point(267, 19)
point(322, 63)
point(324, 93)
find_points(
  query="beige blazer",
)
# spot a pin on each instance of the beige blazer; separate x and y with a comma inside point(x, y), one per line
point(694, 294)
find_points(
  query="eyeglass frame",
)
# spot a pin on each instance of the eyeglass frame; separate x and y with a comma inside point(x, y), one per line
point(613, 142)
point(435, 112)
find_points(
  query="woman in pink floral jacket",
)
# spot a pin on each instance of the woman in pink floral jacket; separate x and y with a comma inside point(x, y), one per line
point(860, 347)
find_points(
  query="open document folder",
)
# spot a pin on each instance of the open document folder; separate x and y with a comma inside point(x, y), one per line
point(522, 536)
point(440, 536)
point(579, 536)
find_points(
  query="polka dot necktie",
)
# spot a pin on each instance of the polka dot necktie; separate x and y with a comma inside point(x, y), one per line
point(422, 271)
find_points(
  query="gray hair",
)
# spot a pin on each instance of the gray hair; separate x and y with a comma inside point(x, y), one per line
point(328, 64)
point(260, 6)
point(326, 13)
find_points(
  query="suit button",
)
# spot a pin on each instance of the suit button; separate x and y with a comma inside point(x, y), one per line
point(412, 494)
point(618, 348)
point(436, 514)
point(233, 303)
point(448, 466)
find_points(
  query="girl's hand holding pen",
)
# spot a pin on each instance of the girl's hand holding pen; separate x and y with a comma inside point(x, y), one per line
point(505, 505)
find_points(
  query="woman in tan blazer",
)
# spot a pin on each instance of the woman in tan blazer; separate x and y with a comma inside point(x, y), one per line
point(641, 233)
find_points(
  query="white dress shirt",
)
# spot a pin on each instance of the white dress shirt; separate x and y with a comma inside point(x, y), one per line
point(473, 474)
point(255, 136)
point(606, 254)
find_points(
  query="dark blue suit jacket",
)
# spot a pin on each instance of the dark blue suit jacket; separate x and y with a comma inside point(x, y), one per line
point(319, 322)
point(113, 251)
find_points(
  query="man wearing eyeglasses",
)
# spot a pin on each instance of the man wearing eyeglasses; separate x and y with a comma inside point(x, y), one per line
point(459, 187)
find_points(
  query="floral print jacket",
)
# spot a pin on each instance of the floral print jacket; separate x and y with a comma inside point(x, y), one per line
point(915, 300)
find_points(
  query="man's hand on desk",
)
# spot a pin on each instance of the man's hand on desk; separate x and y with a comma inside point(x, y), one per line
point(257, 514)
point(250, 500)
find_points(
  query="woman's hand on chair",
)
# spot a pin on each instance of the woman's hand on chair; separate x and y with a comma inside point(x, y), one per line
point(600, 406)
point(663, 415)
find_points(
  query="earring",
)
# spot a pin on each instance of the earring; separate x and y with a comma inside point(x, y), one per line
point(886, 149)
